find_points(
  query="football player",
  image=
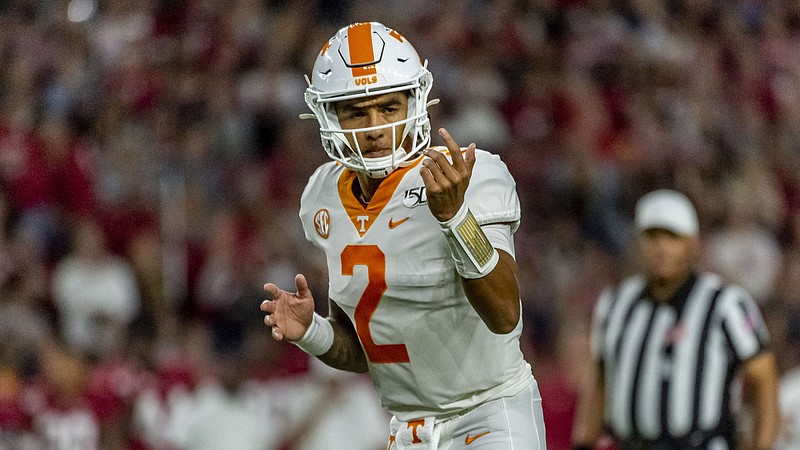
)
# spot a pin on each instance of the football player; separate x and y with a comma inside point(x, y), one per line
point(418, 240)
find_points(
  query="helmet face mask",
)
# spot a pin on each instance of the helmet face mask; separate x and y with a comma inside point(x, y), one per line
point(365, 60)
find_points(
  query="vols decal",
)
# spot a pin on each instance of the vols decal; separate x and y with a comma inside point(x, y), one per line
point(322, 223)
point(366, 80)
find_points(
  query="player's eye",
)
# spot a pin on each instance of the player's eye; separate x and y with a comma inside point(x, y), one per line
point(357, 114)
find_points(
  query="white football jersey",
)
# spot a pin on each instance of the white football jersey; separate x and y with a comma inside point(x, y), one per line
point(390, 270)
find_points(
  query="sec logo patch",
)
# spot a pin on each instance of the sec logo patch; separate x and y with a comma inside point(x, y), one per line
point(322, 223)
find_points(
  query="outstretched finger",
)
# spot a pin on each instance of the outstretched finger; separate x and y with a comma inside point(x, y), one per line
point(427, 179)
point(437, 169)
point(455, 149)
point(273, 290)
point(469, 156)
point(437, 162)
point(268, 306)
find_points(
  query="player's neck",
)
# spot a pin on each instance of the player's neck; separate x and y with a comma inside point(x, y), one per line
point(366, 187)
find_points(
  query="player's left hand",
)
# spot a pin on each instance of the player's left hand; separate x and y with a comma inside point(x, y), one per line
point(446, 182)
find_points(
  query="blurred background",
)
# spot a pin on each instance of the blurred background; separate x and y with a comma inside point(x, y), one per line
point(152, 161)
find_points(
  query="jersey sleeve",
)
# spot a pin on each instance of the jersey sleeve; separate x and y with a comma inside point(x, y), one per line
point(310, 200)
point(743, 324)
point(492, 193)
point(500, 236)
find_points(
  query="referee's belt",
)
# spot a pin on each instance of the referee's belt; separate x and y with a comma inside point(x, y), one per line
point(696, 439)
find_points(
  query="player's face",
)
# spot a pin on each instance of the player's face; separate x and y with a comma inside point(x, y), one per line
point(665, 255)
point(370, 112)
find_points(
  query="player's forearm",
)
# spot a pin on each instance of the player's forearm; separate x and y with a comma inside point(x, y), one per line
point(588, 426)
point(767, 423)
point(589, 416)
point(495, 297)
point(346, 352)
point(765, 382)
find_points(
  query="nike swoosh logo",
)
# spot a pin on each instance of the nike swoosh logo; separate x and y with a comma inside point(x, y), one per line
point(470, 439)
point(393, 224)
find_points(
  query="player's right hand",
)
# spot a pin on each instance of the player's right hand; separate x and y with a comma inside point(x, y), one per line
point(289, 314)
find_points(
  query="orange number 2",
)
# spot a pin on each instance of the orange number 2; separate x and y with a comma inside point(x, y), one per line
point(373, 258)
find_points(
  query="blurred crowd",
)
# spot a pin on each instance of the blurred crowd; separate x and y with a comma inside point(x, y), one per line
point(152, 161)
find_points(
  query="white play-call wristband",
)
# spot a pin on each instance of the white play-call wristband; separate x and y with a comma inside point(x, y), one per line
point(471, 250)
point(318, 338)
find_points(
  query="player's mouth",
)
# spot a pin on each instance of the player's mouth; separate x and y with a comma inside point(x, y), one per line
point(376, 152)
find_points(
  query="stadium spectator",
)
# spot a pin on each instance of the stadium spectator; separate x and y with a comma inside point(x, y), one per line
point(95, 291)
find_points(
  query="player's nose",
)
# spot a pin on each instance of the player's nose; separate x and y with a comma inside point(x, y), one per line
point(375, 120)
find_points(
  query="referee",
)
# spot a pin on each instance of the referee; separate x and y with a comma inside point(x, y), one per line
point(668, 343)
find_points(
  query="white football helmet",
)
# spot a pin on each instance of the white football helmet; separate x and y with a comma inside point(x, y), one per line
point(362, 60)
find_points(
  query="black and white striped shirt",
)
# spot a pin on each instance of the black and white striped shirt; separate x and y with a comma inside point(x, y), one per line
point(668, 366)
